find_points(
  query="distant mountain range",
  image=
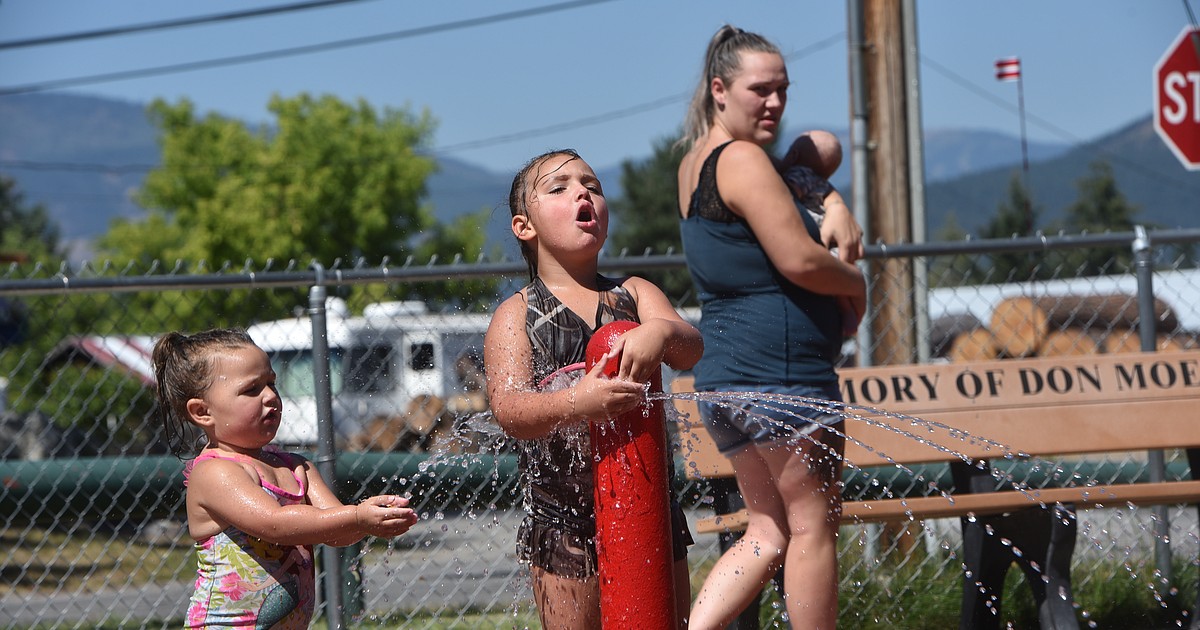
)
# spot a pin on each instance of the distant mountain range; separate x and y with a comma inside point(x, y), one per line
point(83, 156)
point(1146, 172)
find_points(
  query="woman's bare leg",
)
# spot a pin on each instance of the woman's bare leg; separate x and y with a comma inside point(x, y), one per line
point(809, 483)
point(741, 572)
point(794, 503)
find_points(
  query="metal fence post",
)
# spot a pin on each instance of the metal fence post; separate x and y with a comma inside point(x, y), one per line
point(326, 455)
point(1144, 265)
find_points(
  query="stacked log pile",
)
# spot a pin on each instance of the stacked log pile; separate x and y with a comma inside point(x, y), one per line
point(1066, 325)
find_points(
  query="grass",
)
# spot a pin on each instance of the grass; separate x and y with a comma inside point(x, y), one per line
point(465, 621)
point(68, 560)
point(920, 595)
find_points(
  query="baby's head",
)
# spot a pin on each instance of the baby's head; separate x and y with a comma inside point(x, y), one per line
point(819, 150)
point(520, 193)
point(183, 370)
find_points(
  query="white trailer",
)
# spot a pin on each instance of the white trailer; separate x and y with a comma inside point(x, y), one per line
point(395, 359)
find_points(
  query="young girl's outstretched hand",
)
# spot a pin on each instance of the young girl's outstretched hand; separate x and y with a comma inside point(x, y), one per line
point(385, 515)
point(223, 493)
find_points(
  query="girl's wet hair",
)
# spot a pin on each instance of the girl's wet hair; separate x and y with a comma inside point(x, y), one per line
point(723, 59)
point(183, 370)
point(518, 199)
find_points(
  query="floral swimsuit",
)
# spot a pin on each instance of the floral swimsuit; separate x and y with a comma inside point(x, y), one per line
point(245, 582)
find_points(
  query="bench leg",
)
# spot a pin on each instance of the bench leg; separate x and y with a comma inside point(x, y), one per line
point(1045, 537)
point(1051, 580)
point(1195, 625)
point(985, 564)
point(1193, 455)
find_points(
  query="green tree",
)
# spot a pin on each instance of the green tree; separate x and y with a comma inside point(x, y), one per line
point(957, 269)
point(647, 216)
point(41, 380)
point(447, 242)
point(327, 181)
point(1100, 208)
point(1015, 217)
point(26, 232)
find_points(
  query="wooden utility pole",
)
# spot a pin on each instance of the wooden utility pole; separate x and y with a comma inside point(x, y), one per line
point(889, 218)
point(888, 151)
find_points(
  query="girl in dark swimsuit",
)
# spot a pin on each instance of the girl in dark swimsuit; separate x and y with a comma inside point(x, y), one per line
point(540, 393)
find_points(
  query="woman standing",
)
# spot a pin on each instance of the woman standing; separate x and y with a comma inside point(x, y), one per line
point(776, 305)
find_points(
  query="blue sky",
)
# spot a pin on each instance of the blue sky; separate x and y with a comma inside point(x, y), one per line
point(609, 77)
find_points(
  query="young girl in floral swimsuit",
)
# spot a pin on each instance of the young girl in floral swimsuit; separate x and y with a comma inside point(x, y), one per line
point(253, 510)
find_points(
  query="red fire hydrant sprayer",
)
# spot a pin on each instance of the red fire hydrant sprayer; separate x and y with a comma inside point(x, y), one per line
point(633, 518)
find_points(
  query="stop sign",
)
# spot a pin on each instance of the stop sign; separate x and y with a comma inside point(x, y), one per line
point(1177, 98)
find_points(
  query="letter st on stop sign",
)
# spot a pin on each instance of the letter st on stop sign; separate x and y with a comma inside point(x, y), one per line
point(1177, 98)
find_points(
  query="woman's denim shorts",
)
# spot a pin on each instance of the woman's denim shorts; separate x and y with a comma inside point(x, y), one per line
point(737, 422)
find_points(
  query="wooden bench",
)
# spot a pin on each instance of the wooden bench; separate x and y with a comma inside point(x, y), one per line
point(1019, 410)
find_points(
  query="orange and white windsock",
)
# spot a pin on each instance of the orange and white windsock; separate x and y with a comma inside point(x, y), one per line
point(1008, 69)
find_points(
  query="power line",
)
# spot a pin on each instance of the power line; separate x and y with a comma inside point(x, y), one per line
point(298, 50)
point(167, 24)
point(564, 126)
point(617, 114)
point(82, 167)
point(452, 148)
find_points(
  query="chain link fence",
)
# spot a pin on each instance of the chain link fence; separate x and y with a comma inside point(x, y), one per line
point(91, 504)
